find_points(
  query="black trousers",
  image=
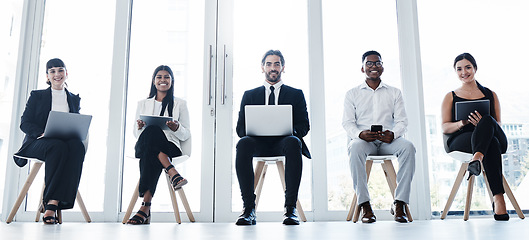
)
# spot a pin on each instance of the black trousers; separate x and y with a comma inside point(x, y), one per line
point(62, 172)
point(489, 139)
point(249, 147)
point(151, 142)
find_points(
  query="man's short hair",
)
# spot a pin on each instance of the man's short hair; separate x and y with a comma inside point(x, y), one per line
point(372, 52)
point(273, 52)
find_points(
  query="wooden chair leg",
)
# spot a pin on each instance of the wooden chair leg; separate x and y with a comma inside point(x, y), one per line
point(487, 183)
point(173, 200)
point(470, 189)
point(260, 181)
point(352, 208)
point(41, 207)
point(186, 204)
point(457, 183)
point(356, 211)
point(257, 173)
point(391, 178)
point(511, 197)
point(133, 200)
point(24, 191)
point(281, 170)
point(83, 207)
point(300, 211)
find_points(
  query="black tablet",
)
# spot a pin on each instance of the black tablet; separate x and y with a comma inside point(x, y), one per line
point(463, 109)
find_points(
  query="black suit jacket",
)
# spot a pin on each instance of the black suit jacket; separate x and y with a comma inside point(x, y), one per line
point(35, 117)
point(287, 96)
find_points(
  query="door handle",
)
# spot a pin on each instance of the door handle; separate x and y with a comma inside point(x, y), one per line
point(210, 95)
point(223, 100)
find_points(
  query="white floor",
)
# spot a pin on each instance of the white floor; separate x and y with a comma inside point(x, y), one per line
point(481, 228)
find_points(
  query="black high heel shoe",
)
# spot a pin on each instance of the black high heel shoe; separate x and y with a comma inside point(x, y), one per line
point(51, 219)
point(474, 168)
point(500, 217)
point(177, 181)
point(141, 217)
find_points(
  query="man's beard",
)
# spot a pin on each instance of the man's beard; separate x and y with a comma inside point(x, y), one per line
point(271, 79)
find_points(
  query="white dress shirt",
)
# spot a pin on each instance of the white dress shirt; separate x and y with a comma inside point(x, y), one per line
point(277, 88)
point(364, 107)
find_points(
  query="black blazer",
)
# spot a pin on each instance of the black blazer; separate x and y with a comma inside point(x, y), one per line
point(287, 96)
point(35, 116)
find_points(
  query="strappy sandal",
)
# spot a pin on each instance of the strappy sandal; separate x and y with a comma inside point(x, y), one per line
point(177, 181)
point(141, 217)
point(51, 219)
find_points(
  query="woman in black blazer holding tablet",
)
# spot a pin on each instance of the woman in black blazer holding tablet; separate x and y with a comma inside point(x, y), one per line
point(64, 157)
point(155, 147)
point(480, 134)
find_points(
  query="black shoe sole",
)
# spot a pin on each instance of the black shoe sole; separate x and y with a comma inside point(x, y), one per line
point(242, 222)
point(289, 221)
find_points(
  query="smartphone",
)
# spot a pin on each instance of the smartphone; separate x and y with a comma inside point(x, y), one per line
point(376, 128)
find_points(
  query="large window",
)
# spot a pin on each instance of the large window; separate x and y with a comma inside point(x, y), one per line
point(10, 15)
point(84, 43)
point(493, 32)
point(349, 31)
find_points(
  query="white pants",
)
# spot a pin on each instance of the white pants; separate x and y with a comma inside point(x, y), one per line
point(404, 150)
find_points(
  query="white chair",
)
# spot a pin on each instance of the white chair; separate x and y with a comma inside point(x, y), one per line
point(35, 169)
point(260, 173)
point(186, 151)
point(391, 177)
point(465, 158)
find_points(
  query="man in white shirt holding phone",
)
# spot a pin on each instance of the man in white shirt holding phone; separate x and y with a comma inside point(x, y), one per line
point(376, 103)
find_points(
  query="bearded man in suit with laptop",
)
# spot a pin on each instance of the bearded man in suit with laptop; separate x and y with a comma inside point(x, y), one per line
point(273, 92)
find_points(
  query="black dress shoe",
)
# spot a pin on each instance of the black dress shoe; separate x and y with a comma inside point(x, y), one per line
point(397, 209)
point(474, 168)
point(247, 217)
point(368, 215)
point(290, 216)
point(500, 217)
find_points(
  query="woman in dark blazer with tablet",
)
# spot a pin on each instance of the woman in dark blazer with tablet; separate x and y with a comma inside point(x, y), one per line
point(480, 134)
point(156, 146)
point(64, 157)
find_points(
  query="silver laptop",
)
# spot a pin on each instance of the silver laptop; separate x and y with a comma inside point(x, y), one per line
point(463, 109)
point(159, 121)
point(268, 120)
point(63, 124)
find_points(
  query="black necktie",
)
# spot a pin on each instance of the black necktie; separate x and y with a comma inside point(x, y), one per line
point(272, 97)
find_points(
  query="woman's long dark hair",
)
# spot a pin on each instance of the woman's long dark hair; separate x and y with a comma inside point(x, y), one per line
point(168, 100)
point(487, 92)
